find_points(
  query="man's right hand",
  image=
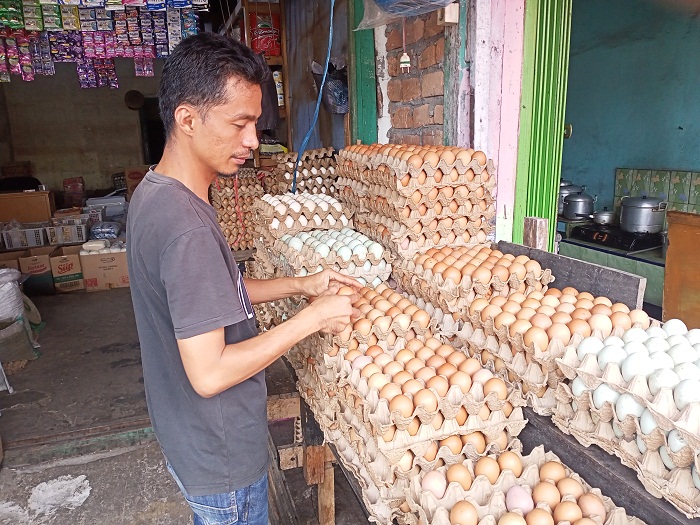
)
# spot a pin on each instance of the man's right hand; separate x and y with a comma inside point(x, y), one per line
point(333, 313)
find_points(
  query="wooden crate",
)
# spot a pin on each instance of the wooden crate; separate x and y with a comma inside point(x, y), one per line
point(682, 281)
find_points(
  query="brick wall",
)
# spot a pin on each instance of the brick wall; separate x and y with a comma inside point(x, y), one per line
point(416, 98)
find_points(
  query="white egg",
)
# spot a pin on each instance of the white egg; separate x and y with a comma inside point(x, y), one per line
point(676, 441)
point(296, 244)
point(662, 360)
point(332, 222)
point(317, 220)
point(675, 326)
point(635, 334)
point(337, 206)
point(634, 347)
point(656, 331)
point(687, 371)
point(578, 387)
point(611, 354)
point(363, 282)
point(274, 224)
point(285, 238)
point(344, 253)
point(678, 339)
point(693, 336)
point(613, 340)
point(303, 220)
point(626, 405)
point(666, 459)
point(303, 272)
point(638, 364)
point(662, 378)
point(647, 423)
point(323, 205)
point(604, 394)
point(640, 444)
point(280, 209)
point(289, 221)
point(696, 478)
point(375, 282)
point(686, 392)
point(319, 268)
point(381, 265)
point(657, 344)
point(368, 243)
point(683, 354)
point(617, 430)
point(589, 345)
point(344, 220)
point(361, 361)
point(360, 251)
point(351, 243)
point(574, 406)
point(335, 234)
point(323, 250)
point(376, 249)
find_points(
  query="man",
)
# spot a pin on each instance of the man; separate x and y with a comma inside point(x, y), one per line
point(203, 359)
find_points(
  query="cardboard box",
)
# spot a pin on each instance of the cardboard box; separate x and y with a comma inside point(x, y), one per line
point(37, 263)
point(134, 175)
point(29, 206)
point(11, 259)
point(103, 271)
point(66, 269)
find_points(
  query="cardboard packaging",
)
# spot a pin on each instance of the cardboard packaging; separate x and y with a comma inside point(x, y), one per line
point(30, 206)
point(37, 263)
point(74, 191)
point(66, 269)
point(134, 175)
point(11, 259)
point(103, 271)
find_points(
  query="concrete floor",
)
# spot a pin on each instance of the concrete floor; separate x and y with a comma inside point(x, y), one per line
point(79, 449)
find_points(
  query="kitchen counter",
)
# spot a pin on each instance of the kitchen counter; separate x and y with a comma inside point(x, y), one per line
point(649, 264)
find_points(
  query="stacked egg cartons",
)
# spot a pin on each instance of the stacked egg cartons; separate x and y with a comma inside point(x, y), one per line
point(527, 332)
point(233, 199)
point(346, 251)
point(510, 489)
point(316, 173)
point(400, 401)
point(636, 394)
point(413, 198)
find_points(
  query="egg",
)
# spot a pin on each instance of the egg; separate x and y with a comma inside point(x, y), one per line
point(435, 482)
point(426, 399)
point(496, 385)
point(626, 405)
point(640, 317)
point(546, 492)
point(552, 470)
point(463, 513)
point(560, 332)
point(511, 518)
point(439, 384)
point(519, 498)
point(592, 505)
point(686, 392)
point(488, 467)
point(539, 516)
point(567, 511)
point(569, 486)
point(604, 394)
point(401, 404)
point(482, 376)
point(476, 440)
point(454, 443)
point(510, 461)
point(662, 378)
point(462, 380)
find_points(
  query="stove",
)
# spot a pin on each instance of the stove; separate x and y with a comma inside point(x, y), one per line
point(616, 238)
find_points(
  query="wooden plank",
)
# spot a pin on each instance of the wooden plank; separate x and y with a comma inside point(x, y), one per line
point(681, 299)
point(536, 233)
point(618, 286)
point(291, 456)
point(284, 406)
point(314, 464)
point(281, 508)
point(326, 496)
point(601, 470)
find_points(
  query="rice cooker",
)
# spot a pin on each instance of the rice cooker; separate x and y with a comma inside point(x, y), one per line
point(642, 214)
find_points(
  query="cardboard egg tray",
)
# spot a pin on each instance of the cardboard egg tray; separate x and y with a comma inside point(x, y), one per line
point(661, 406)
point(315, 164)
point(233, 199)
point(279, 228)
point(579, 417)
point(312, 156)
point(308, 209)
point(489, 500)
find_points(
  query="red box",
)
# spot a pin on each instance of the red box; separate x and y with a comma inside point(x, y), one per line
point(265, 33)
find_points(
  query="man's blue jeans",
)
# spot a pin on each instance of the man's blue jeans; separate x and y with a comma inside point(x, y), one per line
point(246, 506)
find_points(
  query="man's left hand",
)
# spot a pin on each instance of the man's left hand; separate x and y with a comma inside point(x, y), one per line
point(327, 282)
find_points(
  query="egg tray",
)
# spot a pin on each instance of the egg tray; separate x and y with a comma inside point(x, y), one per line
point(676, 485)
point(282, 229)
point(489, 500)
point(306, 156)
point(446, 325)
point(268, 211)
point(310, 187)
point(401, 231)
point(661, 406)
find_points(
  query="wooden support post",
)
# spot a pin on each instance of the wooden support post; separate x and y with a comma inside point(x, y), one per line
point(280, 504)
point(314, 449)
point(536, 233)
point(326, 495)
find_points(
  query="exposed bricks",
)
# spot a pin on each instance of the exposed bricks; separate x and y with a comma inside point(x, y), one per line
point(438, 114)
point(432, 137)
point(421, 115)
point(410, 89)
point(393, 65)
point(432, 84)
point(414, 31)
point(402, 118)
point(394, 39)
point(393, 90)
point(440, 51)
point(431, 26)
point(427, 57)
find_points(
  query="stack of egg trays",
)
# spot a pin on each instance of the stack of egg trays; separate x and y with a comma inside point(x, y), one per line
point(490, 501)
point(306, 261)
point(235, 217)
point(668, 477)
point(316, 173)
point(456, 297)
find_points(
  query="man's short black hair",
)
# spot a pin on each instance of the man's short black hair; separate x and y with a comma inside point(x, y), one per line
point(197, 72)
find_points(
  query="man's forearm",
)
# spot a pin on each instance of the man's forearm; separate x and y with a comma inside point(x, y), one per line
point(266, 290)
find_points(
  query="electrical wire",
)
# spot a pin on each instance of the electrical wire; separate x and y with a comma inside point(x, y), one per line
point(305, 142)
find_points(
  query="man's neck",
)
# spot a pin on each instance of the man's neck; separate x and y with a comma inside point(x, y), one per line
point(181, 166)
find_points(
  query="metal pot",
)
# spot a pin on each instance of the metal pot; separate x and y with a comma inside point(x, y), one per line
point(578, 206)
point(564, 191)
point(642, 214)
point(604, 218)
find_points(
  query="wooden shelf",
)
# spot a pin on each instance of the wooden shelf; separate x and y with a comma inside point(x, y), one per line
point(274, 61)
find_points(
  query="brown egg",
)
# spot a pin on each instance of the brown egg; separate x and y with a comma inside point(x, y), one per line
point(475, 439)
point(621, 319)
point(602, 323)
point(552, 471)
point(402, 404)
point(507, 409)
point(546, 310)
point(411, 386)
point(454, 443)
point(425, 373)
point(363, 326)
point(470, 366)
point(520, 326)
point(581, 313)
point(436, 361)
point(490, 311)
point(482, 376)
point(389, 434)
point(432, 451)
point(553, 292)
point(444, 351)
point(488, 467)
point(390, 391)
point(567, 511)
point(504, 319)
point(538, 516)
point(602, 300)
point(461, 417)
point(446, 370)
point(437, 421)
point(560, 332)
point(536, 336)
point(517, 297)
point(463, 513)
point(462, 380)
point(537, 296)
point(370, 369)
point(568, 298)
point(546, 492)
point(458, 473)
point(591, 505)
point(392, 368)
point(565, 308)
point(501, 440)
point(439, 384)
point(511, 306)
point(511, 461)
point(423, 352)
point(498, 386)
point(456, 358)
point(601, 309)
point(401, 377)
point(640, 317)
point(549, 300)
point(426, 399)
point(433, 343)
point(541, 320)
point(526, 314)
point(415, 364)
point(570, 486)
point(561, 318)
point(579, 326)
point(584, 303)
point(404, 356)
point(378, 380)
point(620, 307)
point(518, 270)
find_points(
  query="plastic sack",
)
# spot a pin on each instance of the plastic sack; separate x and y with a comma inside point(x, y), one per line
point(106, 230)
point(11, 303)
point(381, 12)
point(335, 92)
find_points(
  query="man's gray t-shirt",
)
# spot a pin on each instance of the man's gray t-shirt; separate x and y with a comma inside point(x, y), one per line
point(185, 282)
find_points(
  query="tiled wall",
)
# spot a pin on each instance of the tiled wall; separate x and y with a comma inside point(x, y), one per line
point(681, 189)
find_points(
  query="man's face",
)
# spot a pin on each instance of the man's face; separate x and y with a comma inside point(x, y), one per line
point(226, 133)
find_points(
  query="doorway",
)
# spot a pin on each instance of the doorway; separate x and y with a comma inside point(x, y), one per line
point(152, 131)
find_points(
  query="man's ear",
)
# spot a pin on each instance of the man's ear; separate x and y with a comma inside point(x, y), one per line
point(185, 117)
